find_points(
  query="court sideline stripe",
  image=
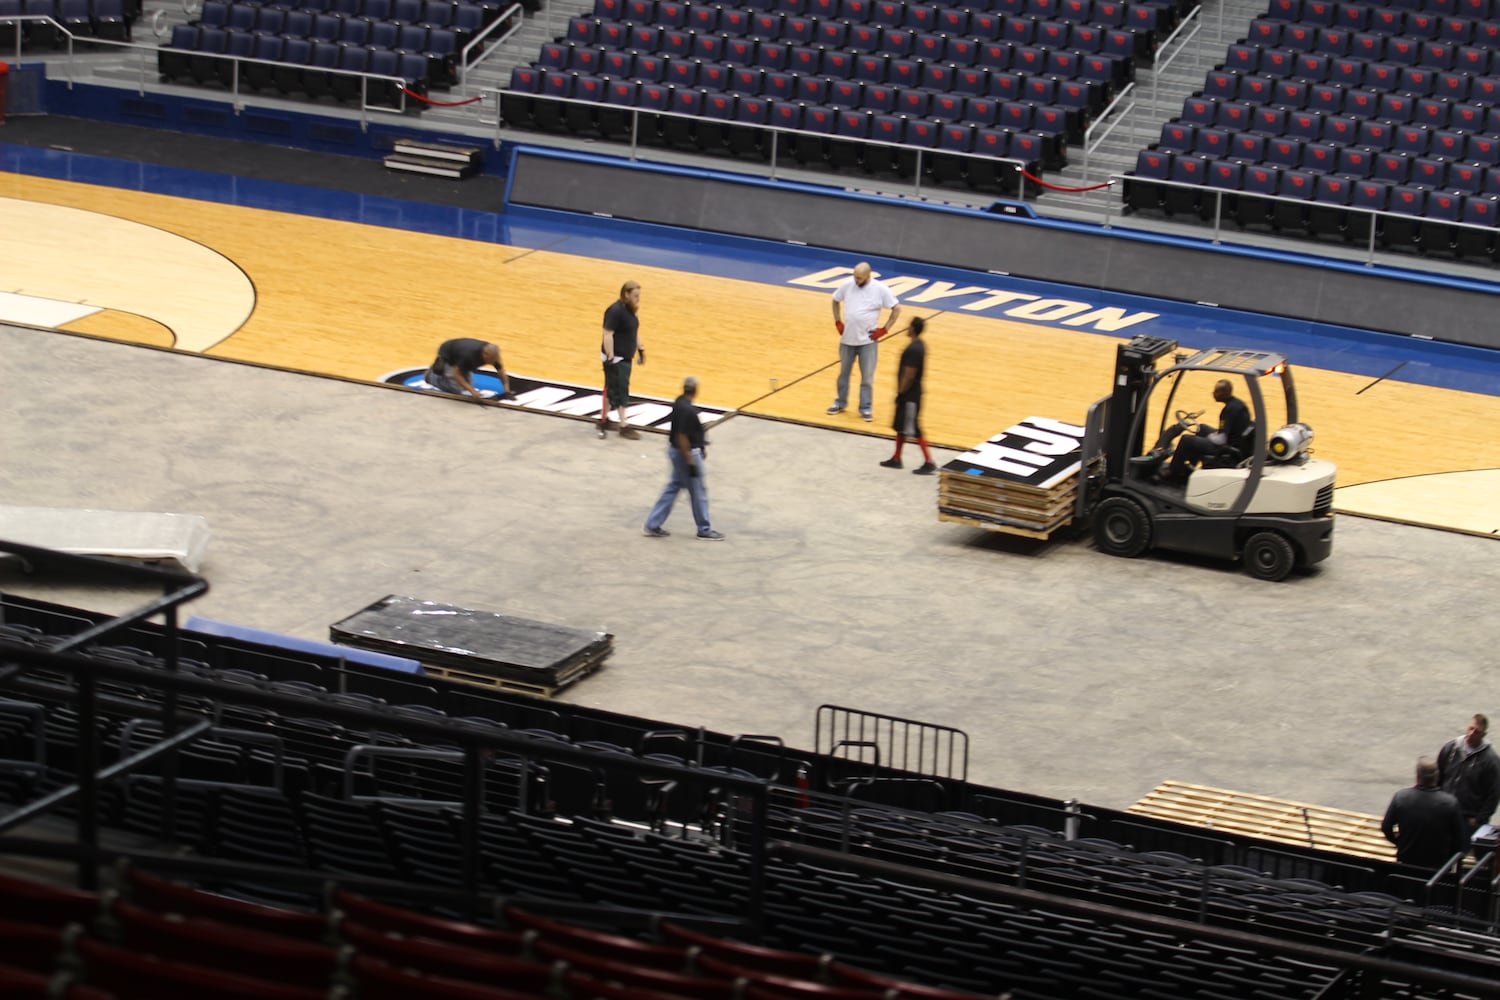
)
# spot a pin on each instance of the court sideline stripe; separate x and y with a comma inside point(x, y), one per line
point(1382, 378)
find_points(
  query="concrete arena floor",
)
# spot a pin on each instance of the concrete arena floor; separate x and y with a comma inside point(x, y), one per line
point(1076, 675)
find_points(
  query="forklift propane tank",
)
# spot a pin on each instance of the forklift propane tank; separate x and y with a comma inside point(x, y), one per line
point(1290, 443)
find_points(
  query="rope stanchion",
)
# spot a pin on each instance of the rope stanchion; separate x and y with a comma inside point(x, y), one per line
point(1059, 187)
point(440, 104)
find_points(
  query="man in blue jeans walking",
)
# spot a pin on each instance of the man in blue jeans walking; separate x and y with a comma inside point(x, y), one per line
point(685, 450)
point(857, 305)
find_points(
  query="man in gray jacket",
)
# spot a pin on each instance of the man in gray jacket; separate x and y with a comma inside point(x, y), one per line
point(1470, 771)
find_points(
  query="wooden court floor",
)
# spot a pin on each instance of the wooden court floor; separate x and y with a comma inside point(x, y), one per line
point(358, 301)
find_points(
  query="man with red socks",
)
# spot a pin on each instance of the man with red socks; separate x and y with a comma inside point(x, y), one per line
point(909, 400)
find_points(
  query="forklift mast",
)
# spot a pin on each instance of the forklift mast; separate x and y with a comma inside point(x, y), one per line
point(1135, 369)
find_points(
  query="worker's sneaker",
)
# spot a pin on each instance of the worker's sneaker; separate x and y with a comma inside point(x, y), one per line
point(630, 434)
point(711, 535)
point(925, 469)
point(835, 408)
point(867, 415)
point(602, 428)
point(891, 463)
point(656, 532)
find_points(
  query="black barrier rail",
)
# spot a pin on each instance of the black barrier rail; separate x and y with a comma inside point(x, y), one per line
point(178, 587)
point(1375, 218)
point(1307, 287)
point(1367, 976)
point(366, 81)
point(473, 740)
point(912, 160)
point(922, 748)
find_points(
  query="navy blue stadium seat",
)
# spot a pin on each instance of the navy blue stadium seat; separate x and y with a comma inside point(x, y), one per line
point(1478, 210)
point(1326, 216)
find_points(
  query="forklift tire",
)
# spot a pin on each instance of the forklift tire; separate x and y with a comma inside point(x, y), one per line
point(1269, 556)
point(1121, 527)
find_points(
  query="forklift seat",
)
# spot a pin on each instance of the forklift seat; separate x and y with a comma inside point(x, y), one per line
point(1231, 453)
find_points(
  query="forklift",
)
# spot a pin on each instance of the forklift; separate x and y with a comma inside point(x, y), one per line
point(1263, 499)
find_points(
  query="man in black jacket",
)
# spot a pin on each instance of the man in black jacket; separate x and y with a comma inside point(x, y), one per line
point(1469, 769)
point(1424, 822)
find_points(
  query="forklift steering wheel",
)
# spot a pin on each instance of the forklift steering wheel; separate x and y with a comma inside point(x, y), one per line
point(1185, 420)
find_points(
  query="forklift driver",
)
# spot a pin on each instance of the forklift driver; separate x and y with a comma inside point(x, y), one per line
point(1234, 421)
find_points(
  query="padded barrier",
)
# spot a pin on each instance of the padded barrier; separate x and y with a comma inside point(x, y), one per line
point(1296, 285)
point(228, 630)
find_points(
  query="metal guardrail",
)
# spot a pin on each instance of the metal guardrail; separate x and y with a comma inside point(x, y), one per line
point(478, 45)
point(1221, 193)
point(1090, 141)
point(919, 153)
point(149, 52)
point(909, 744)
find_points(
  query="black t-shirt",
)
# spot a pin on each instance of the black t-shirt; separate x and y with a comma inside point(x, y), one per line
point(1234, 420)
point(685, 421)
point(915, 356)
point(464, 353)
point(622, 320)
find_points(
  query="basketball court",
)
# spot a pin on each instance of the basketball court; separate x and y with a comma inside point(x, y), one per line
point(283, 286)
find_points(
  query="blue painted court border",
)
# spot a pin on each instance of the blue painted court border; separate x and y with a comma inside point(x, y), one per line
point(1308, 344)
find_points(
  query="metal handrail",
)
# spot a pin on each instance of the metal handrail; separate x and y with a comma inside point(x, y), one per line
point(1090, 143)
point(236, 98)
point(1221, 193)
point(477, 44)
point(774, 130)
point(1163, 63)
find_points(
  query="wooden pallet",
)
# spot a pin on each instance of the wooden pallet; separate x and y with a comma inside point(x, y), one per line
point(1023, 481)
point(477, 679)
point(1281, 820)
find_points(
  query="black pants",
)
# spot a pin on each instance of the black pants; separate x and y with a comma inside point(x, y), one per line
point(1190, 450)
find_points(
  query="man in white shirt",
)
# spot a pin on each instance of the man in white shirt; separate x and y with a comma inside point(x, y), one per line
point(857, 305)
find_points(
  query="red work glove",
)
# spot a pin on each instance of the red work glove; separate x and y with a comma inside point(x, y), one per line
point(840, 324)
point(877, 333)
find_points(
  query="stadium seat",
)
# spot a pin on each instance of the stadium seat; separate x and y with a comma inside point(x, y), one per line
point(1407, 204)
point(1320, 157)
point(1224, 176)
point(1289, 216)
point(1258, 180)
point(1282, 151)
point(1187, 169)
point(1392, 167)
point(1373, 196)
point(173, 60)
point(1327, 215)
point(1480, 210)
point(1176, 137)
point(1438, 231)
point(812, 143)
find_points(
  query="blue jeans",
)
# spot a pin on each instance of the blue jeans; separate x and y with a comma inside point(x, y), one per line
point(867, 356)
point(697, 491)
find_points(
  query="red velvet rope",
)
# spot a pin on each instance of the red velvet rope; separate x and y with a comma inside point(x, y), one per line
point(1058, 187)
point(440, 104)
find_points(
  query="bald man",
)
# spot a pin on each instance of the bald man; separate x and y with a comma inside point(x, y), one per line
point(857, 306)
point(456, 362)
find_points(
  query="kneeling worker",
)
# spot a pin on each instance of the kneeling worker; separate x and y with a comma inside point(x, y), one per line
point(453, 369)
